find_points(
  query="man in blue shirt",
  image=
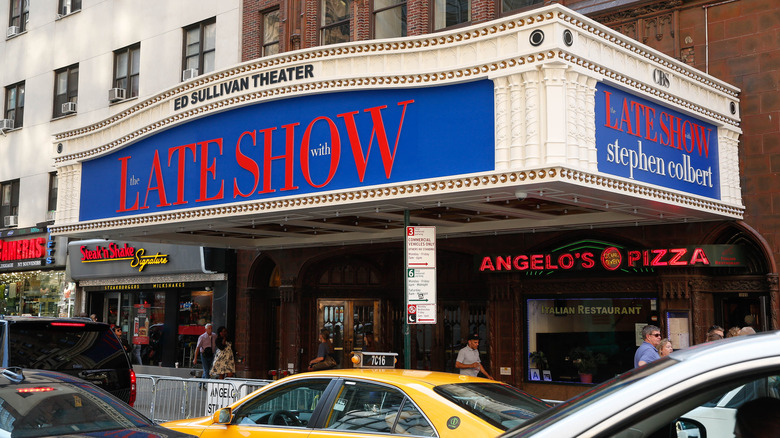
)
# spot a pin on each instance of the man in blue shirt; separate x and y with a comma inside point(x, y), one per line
point(648, 351)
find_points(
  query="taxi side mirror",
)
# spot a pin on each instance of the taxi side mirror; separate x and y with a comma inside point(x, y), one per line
point(223, 416)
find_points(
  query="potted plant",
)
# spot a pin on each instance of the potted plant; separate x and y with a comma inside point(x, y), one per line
point(587, 363)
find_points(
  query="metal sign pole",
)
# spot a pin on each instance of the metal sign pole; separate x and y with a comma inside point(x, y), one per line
point(407, 331)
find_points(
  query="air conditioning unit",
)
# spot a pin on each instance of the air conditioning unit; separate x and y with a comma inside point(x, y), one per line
point(189, 74)
point(13, 31)
point(117, 94)
point(11, 221)
point(65, 10)
point(51, 215)
point(6, 124)
point(69, 107)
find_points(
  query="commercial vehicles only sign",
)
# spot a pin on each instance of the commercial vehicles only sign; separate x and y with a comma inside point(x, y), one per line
point(421, 275)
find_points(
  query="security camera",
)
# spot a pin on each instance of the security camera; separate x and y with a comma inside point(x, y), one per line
point(521, 195)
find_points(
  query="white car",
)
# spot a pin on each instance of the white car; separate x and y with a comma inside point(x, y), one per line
point(693, 393)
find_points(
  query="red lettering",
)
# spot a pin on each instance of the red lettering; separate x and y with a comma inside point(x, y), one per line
point(659, 254)
point(205, 169)
point(625, 118)
point(702, 138)
point(588, 260)
point(537, 262)
point(678, 253)
point(504, 263)
point(379, 130)
point(123, 188)
point(182, 151)
point(548, 262)
point(699, 257)
point(156, 173)
point(607, 109)
point(520, 262)
point(566, 261)
point(246, 163)
point(335, 155)
point(633, 256)
point(487, 264)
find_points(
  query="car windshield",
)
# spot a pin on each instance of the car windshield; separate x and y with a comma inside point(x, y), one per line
point(500, 405)
point(55, 408)
point(596, 393)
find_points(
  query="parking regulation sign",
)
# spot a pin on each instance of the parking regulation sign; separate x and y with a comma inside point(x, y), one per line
point(421, 275)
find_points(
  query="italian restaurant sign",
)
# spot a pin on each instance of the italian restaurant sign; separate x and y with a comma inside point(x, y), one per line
point(641, 140)
point(323, 142)
point(614, 258)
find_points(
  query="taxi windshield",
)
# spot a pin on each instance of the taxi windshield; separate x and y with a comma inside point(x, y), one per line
point(500, 405)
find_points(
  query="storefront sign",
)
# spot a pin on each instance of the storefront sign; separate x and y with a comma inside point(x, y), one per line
point(90, 259)
point(644, 141)
point(327, 141)
point(141, 324)
point(613, 258)
point(112, 252)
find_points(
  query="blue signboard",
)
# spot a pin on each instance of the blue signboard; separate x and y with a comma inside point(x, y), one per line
point(297, 146)
point(644, 141)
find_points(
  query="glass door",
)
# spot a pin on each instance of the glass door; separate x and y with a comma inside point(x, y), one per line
point(348, 321)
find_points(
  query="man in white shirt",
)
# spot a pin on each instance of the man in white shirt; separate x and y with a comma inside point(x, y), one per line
point(205, 348)
point(468, 361)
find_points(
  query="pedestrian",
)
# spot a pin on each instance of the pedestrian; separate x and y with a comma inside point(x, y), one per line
point(224, 362)
point(648, 351)
point(748, 330)
point(205, 349)
point(122, 340)
point(716, 329)
point(468, 361)
point(734, 331)
point(324, 359)
point(665, 347)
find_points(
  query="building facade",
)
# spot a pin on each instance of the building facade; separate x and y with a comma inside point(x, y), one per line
point(581, 184)
point(67, 64)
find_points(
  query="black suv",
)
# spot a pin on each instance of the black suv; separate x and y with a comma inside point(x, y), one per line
point(78, 347)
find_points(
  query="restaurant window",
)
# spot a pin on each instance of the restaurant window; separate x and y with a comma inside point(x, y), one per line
point(584, 339)
point(200, 46)
point(389, 18)
point(450, 13)
point(335, 21)
point(14, 104)
point(508, 6)
point(270, 33)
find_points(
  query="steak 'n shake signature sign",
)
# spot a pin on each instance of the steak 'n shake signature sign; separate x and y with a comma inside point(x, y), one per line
point(644, 141)
point(323, 142)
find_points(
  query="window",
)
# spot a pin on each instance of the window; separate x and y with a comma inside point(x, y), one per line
point(366, 407)
point(389, 18)
point(65, 7)
point(200, 46)
point(9, 199)
point(66, 88)
point(53, 184)
point(451, 12)
point(511, 5)
point(270, 33)
point(20, 14)
point(572, 338)
point(127, 64)
point(335, 21)
point(288, 405)
point(14, 104)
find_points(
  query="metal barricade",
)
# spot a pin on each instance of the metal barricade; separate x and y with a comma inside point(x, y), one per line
point(165, 398)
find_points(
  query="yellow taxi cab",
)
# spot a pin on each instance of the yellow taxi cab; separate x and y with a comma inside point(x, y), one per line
point(370, 402)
